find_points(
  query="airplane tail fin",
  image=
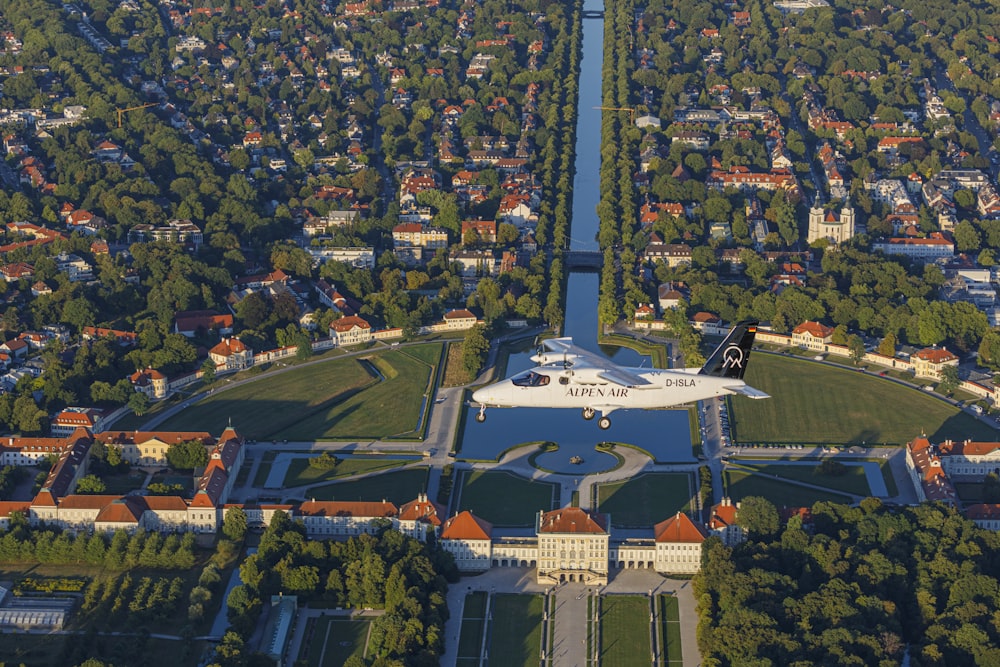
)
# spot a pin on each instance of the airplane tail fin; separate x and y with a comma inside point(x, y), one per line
point(729, 360)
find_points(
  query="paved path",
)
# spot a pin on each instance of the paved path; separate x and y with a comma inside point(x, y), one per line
point(569, 634)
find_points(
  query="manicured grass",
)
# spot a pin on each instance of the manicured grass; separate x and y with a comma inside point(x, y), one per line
point(504, 499)
point(400, 486)
point(263, 469)
point(470, 641)
point(122, 484)
point(852, 481)
point(23, 649)
point(646, 499)
point(335, 640)
point(186, 481)
point(815, 403)
point(670, 629)
point(388, 408)
point(624, 630)
point(970, 492)
point(516, 635)
point(300, 472)
point(264, 408)
point(741, 484)
point(342, 398)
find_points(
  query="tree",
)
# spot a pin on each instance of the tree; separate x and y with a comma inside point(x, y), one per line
point(949, 379)
point(90, 484)
point(208, 371)
point(857, 348)
point(758, 517)
point(234, 525)
point(475, 347)
point(187, 455)
point(138, 403)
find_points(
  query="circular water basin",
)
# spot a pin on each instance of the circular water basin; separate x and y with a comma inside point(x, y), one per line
point(559, 461)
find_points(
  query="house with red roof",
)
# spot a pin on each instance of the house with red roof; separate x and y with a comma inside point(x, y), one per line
point(421, 517)
point(469, 540)
point(193, 323)
point(678, 545)
point(929, 478)
point(812, 336)
point(723, 523)
point(231, 354)
point(151, 382)
point(343, 518)
point(969, 458)
point(350, 330)
point(149, 448)
point(66, 422)
point(930, 361)
point(572, 546)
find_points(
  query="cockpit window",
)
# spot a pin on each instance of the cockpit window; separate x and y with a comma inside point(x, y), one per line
point(530, 379)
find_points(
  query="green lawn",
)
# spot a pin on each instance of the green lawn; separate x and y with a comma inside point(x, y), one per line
point(852, 481)
point(300, 472)
point(334, 640)
point(400, 486)
point(646, 499)
point(389, 408)
point(516, 635)
point(339, 399)
point(470, 641)
point(122, 484)
point(36, 650)
point(970, 492)
point(670, 629)
point(504, 499)
point(815, 403)
point(741, 484)
point(624, 630)
point(264, 408)
point(263, 469)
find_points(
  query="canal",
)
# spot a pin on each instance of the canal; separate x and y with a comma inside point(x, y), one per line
point(664, 433)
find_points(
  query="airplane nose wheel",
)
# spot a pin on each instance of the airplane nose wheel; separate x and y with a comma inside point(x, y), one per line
point(604, 423)
point(588, 413)
point(481, 415)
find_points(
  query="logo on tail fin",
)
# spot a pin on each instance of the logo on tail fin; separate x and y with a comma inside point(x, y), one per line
point(730, 358)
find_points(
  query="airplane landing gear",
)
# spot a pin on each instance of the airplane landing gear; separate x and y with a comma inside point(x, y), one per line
point(588, 413)
point(604, 423)
point(481, 416)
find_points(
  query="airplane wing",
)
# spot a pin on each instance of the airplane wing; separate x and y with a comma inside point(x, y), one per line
point(749, 392)
point(581, 360)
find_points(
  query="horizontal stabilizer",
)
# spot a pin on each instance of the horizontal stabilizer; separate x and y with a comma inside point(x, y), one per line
point(749, 392)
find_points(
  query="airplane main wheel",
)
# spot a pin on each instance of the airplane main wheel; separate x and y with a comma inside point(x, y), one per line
point(588, 413)
point(480, 417)
point(604, 423)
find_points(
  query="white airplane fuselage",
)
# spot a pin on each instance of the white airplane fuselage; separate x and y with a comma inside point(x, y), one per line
point(667, 388)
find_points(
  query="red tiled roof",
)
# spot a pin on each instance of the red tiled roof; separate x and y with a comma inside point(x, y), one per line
point(679, 528)
point(122, 510)
point(935, 355)
point(967, 448)
point(814, 329)
point(345, 324)
point(459, 314)
point(466, 526)
point(573, 520)
point(422, 509)
point(79, 501)
point(358, 508)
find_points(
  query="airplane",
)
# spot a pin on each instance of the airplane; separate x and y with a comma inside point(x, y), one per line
point(568, 376)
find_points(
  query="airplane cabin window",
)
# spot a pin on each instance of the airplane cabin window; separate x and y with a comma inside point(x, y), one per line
point(530, 379)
